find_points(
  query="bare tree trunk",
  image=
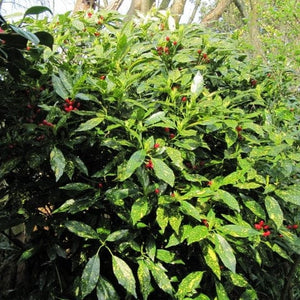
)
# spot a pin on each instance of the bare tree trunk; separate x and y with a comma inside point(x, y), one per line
point(241, 7)
point(135, 5)
point(216, 13)
point(164, 4)
point(84, 5)
point(146, 5)
point(177, 9)
point(115, 5)
point(254, 30)
point(196, 7)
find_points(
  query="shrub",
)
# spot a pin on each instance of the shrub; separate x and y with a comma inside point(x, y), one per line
point(149, 163)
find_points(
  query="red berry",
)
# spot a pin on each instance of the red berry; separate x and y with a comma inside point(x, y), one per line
point(266, 233)
point(90, 14)
point(253, 82)
point(102, 77)
point(167, 129)
point(295, 226)
point(204, 55)
point(156, 145)
point(289, 227)
point(199, 51)
point(257, 226)
point(28, 48)
point(149, 164)
point(183, 99)
point(100, 185)
point(156, 191)
point(210, 183)
point(261, 223)
point(266, 227)
point(175, 43)
point(172, 135)
point(97, 33)
point(238, 128)
point(167, 39)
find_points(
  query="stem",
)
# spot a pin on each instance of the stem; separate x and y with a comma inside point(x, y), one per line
point(286, 293)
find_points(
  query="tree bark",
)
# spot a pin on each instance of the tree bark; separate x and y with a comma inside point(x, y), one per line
point(146, 5)
point(241, 7)
point(254, 30)
point(115, 5)
point(164, 4)
point(196, 7)
point(216, 13)
point(177, 9)
point(84, 5)
point(135, 5)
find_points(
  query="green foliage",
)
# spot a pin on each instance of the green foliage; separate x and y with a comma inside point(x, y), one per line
point(166, 157)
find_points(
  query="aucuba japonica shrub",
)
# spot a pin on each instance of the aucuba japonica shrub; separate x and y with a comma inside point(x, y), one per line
point(145, 163)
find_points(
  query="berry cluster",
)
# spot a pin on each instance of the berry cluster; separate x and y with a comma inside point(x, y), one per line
point(149, 164)
point(262, 226)
point(168, 48)
point(70, 105)
point(202, 56)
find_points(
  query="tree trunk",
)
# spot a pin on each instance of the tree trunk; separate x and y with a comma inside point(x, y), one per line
point(196, 7)
point(216, 13)
point(177, 9)
point(241, 7)
point(84, 5)
point(254, 30)
point(164, 4)
point(115, 5)
point(135, 5)
point(146, 6)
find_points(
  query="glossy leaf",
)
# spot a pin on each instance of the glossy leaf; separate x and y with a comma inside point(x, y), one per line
point(117, 235)
point(162, 218)
point(221, 292)
point(81, 229)
point(144, 277)
point(90, 275)
point(176, 157)
point(256, 208)
point(90, 124)
point(197, 234)
point(105, 290)
point(57, 162)
point(189, 284)
point(228, 199)
point(188, 209)
point(212, 261)
point(274, 211)
point(124, 274)
point(163, 172)
point(291, 195)
point(240, 231)
point(76, 186)
point(225, 252)
point(139, 209)
point(136, 159)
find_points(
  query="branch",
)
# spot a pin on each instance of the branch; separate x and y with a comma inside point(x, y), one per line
point(115, 5)
point(164, 4)
point(216, 13)
point(196, 7)
point(241, 7)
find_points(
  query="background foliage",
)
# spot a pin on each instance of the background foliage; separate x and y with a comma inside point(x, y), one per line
point(146, 160)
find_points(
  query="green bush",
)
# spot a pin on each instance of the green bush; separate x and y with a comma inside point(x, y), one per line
point(149, 162)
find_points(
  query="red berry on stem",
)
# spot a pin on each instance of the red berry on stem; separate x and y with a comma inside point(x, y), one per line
point(172, 135)
point(167, 38)
point(175, 43)
point(183, 99)
point(156, 191)
point(156, 145)
point(266, 233)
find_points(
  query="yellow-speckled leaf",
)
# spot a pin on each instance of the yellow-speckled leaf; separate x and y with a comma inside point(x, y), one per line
point(163, 172)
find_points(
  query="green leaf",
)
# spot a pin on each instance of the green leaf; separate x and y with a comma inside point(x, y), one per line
point(162, 218)
point(80, 165)
point(90, 275)
point(160, 277)
point(225, 252)
point(238, 280)
point(59, 87)
point(105, 290)
point(139, 209)
point(81, 229)
point(165, 255)
point(90, 124)
point(76, 186)
point(57, 162)
point(26, 34)
point(197, 234)
point(255, 208)
point(136, 159)
point(189, 284)
point(274, 211)
point(221, 293)
point(190, 210)
point(212, 261)
point(240, 231)
point(8, 166)
point(124, 274)
point(228, 199)
point(163, 172)
point(155, 118)
point(45, 38)
point(176, 157)
point(144, 277)
point(117, 235)
point(36, 10)
point(175, 219)
point(64, 207)
point(290, 195)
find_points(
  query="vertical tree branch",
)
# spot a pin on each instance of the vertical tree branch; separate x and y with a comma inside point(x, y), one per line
point(241, 7)
point(164, 4)
point(196, 7)
point(177, 9)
